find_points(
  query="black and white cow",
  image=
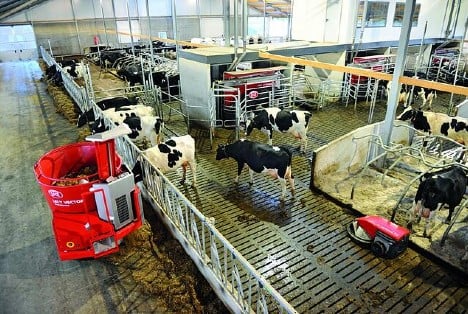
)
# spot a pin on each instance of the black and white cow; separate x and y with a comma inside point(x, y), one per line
point(403, 96)
point(260, 158)
point(149, 127)
point(177, 152)
point(426, 95)
point(142, 126)
point(110, 104)
point(436, 189)
point(116, 102)
point(75, 70)
point(435, 123)
point(295, 122)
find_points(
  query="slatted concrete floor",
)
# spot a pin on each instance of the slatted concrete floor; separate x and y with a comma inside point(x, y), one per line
point(302, 246)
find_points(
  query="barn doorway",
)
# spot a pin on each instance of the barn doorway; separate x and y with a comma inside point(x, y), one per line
point(17, 42)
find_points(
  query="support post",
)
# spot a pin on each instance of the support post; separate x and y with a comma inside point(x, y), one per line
point(392, 102)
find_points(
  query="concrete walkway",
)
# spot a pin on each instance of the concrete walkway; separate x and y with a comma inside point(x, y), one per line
point(32, 279)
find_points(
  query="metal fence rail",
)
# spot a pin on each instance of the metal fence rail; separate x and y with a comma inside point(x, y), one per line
point(222, 265)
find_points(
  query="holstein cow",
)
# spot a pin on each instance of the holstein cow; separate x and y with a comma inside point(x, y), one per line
point(435, 123)
point(177, 152)
point(426, 95)
point(142, 126)
point(402, 97)
point(272, 160)
point(104, 104)
point(295, 122)
point(436, 189)
point(75, 70)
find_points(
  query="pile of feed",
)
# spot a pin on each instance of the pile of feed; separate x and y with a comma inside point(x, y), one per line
point(87, 173)
point(164, 271)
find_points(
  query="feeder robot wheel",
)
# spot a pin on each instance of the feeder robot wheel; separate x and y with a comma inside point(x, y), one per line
point(383, 237)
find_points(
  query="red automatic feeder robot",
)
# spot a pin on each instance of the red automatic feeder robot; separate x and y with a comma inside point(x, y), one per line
point(385, 238)
point(91, 212)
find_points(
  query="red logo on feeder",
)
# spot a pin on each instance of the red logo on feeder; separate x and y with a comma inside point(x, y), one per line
point(253, 94)
point(55, 194)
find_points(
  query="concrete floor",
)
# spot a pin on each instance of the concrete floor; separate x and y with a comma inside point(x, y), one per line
point(32, 279)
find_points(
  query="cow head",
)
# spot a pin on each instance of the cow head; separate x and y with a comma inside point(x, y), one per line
point(221, 152)
point(85, 117)
point(407, 115)
point(98, 126)
point(134, 123)
point(246, 122)
point(257, 121)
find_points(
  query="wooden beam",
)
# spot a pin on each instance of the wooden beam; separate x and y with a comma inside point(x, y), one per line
point(460, 90)
point(327, 66)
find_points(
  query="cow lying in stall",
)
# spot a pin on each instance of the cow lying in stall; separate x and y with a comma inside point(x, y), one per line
point(436, 189)
point(177, 152)
point(295, 122)
point(140, 120)
point(272, 160)
point(104, 104)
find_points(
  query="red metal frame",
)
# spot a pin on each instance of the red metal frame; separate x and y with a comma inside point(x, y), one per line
point(244, 86)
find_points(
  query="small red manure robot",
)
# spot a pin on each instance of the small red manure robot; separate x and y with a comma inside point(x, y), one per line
point(385, 238)
point(92, 196)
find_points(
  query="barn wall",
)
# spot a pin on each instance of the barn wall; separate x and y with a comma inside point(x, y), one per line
point(321, 21)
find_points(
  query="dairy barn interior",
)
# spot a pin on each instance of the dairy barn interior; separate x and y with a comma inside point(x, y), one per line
point(85, 230)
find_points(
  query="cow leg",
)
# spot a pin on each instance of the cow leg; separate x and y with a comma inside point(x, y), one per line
point(429, 101)
point(415, 211)
point(251, 172)
point(193, 168)
point(405, 99)
point(449, 217)
point(184, 173)
point(270, 137)
point(240, 166)
point(283, 188)
point(291, 180)
point(430, 220)
point(303, 144)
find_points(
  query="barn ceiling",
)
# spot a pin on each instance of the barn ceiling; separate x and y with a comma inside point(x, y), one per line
point(271, 7)
point(268, 7)
point(11, 7)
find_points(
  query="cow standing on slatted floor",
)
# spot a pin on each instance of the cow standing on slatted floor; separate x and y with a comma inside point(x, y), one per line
point(260, 158)
point(177, 152)
point(267, 120)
